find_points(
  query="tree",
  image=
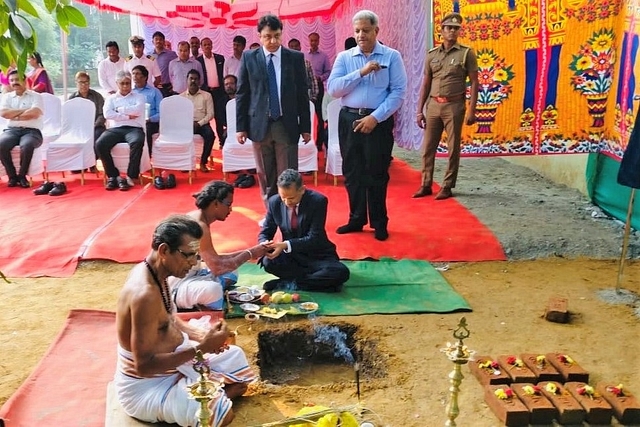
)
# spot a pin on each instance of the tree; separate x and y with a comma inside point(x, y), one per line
point(18, 39)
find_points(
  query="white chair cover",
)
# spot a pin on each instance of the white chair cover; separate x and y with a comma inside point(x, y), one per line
point(308, 153)
point(73, 150)
point(120, 155)
point(236, 156)
point(37, 162)
point(51, 119)
point(174, 148)
point(334, 156)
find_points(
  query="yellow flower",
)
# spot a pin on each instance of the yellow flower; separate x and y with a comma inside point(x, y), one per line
point(540, 360)
point(584, 63)
point(602, 42)
point(485, 60)
point(500, 75)
point(551, 388)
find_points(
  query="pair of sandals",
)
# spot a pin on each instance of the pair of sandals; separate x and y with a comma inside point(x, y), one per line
point(244, 180)
point(161, 183)
point(51, 188)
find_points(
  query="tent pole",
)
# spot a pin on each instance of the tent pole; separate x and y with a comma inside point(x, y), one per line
point(625, 240)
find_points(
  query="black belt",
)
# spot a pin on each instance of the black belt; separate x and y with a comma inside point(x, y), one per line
point(359, 111)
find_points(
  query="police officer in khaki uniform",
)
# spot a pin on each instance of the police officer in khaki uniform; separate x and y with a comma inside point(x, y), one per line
point(443, 92)
point(139, 58)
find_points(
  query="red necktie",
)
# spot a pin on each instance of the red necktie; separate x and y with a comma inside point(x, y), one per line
point(294, 218)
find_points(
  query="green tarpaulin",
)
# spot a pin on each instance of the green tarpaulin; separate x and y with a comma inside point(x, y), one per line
point(377, 287)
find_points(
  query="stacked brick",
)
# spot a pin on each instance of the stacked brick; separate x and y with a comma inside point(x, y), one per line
point(538, 389)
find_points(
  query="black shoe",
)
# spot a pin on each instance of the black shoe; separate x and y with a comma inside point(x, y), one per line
point(349, 228)
point(59, 188)
point(13, 182)
point(247, 182)
point(76, 172)
point(158, 182)
point(23, 182)
point(112, 184)
point(44, 188)
point(239, 179)
point(123, 185)
point(381, 234)
point(170, 182)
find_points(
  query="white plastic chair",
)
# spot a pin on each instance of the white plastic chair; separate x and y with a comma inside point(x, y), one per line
point(235, 156)
point(174, 148)
point(51, 119)
point(334, 156)
point(73, 149)
point(37, 161)
point(308, 153)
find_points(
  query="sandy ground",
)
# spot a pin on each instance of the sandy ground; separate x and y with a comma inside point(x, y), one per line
point(575, 257)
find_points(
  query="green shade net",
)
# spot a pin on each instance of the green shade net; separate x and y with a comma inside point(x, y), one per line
point(375, 287)
point(604, 190)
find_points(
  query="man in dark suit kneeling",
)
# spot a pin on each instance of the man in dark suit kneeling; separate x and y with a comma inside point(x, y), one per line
point(305, 257)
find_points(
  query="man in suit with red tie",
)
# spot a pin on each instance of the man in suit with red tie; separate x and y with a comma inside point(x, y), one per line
point(212, 82)
point(305, 259)
point(272, 104)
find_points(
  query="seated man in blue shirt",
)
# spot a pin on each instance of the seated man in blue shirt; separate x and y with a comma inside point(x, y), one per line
point(305, 259)
point(153, 97)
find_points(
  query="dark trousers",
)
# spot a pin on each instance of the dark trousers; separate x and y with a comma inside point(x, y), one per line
point(97, 132)
point(134, 136)
point(322, 138)
point(273, 155)
point(28, 139)
point(152, 127)
point(365, 166)
point(220, 99)
point(207, 134)
point(313, 275)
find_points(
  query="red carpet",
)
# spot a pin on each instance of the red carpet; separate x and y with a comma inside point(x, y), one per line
point(44, 235)
point(69, 385)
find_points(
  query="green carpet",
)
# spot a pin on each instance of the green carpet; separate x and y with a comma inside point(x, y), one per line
point(377, 287)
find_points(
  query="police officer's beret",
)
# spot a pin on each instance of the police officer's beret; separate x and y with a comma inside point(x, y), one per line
point(452, 19)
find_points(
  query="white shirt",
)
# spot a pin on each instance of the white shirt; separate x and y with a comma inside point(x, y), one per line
point(277, 65)
point(231, 66)
point(117, 109)
point(29, 99)
point(147, 61)
point(107, 71)
point(211, 68)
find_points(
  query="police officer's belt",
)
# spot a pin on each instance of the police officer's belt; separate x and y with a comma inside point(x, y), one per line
point(359, 111)
point(445, 99)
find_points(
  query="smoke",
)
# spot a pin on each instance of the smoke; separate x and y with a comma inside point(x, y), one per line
point(333, 337)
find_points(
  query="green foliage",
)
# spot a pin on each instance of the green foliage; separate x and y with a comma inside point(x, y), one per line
point(17, 19)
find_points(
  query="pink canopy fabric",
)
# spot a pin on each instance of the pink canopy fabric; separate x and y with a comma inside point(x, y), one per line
point(212, 14)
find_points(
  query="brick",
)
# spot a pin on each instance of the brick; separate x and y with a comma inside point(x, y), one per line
point(544, 371)
point(598, 409)
point(569, 371)
point(557, 310)
point(487, 376)
point(626, 407)
point(541, 410)
point(518, 374)
point(511, 411)
point(569, 410)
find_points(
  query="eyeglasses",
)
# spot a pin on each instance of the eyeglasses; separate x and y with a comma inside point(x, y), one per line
point(82, 82)
point(193, 255)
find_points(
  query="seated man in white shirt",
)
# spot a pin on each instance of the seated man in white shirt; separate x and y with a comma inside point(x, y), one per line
point(202, 115)
point(125, 109)
point(23, 109)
